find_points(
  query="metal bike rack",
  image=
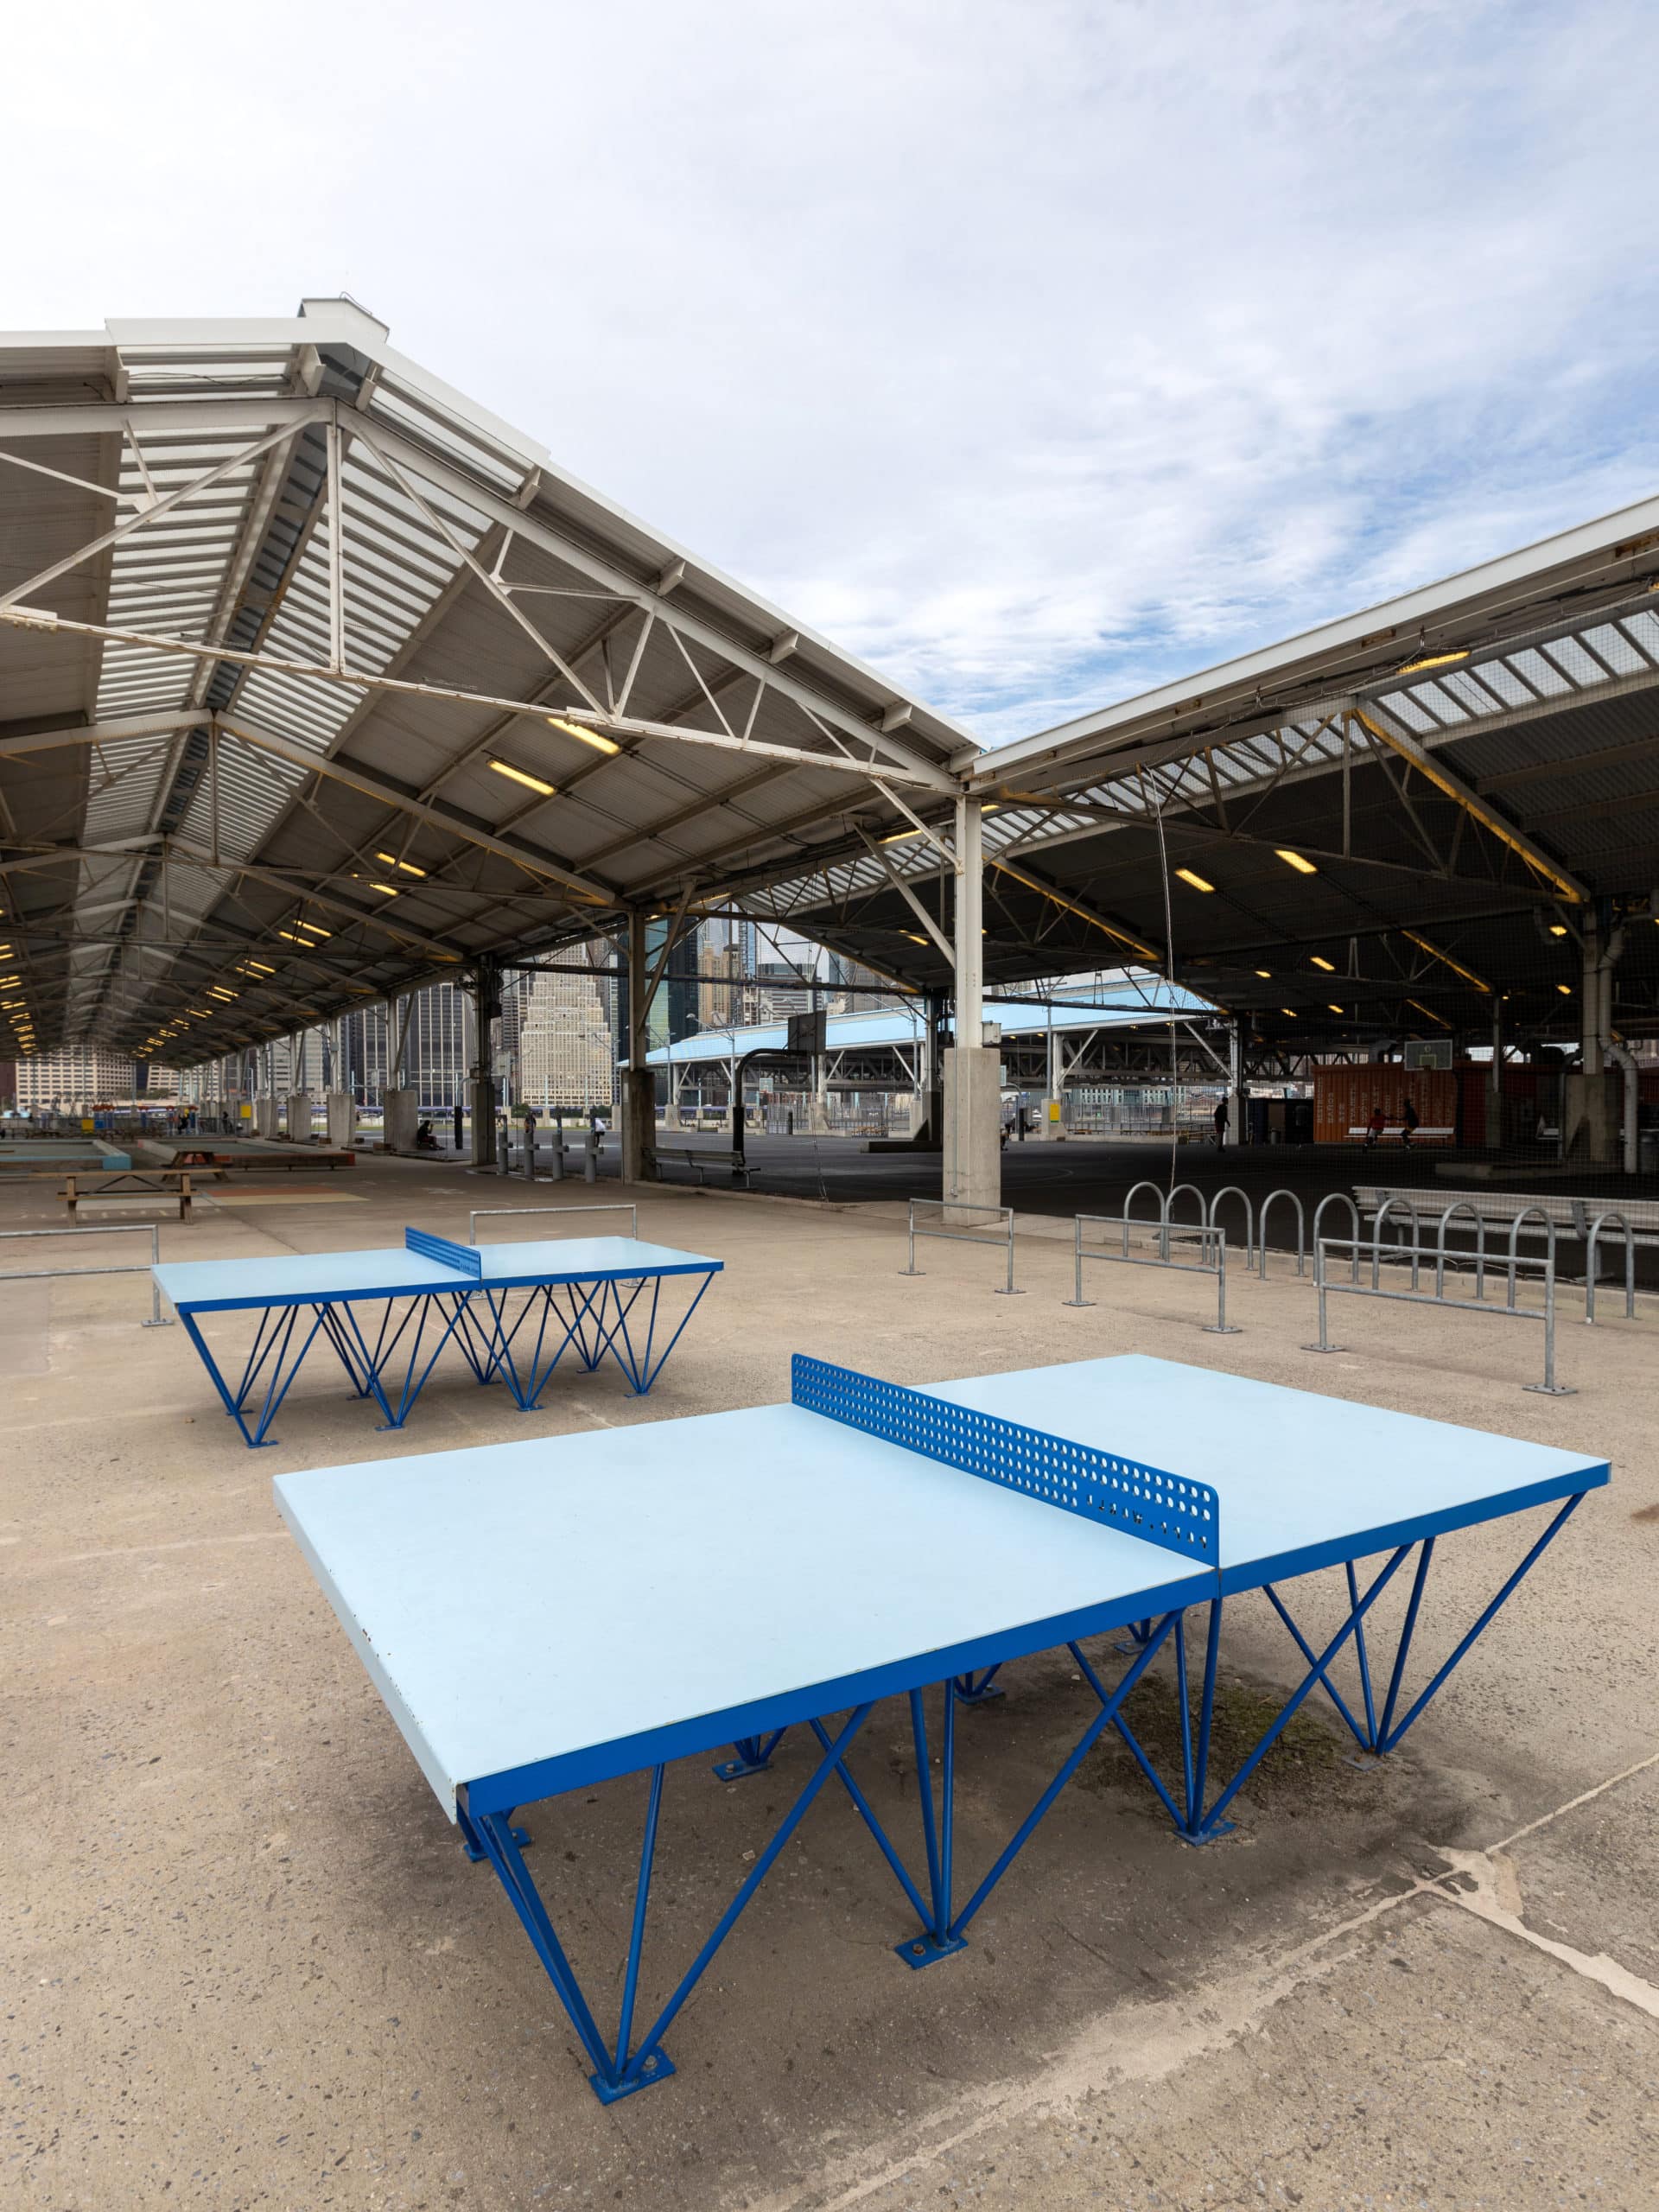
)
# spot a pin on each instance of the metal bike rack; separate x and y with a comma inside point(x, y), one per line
point(1601, 1222)
point(1158, 1198)
point(152, 1229)
point(1417, 1253)
point(1232, 1191)
point(1301, 1231)
point(545, 1213)
point(961, 1235)
point(1337, 1198)
point(1211, 1261)
point(1176, 1190)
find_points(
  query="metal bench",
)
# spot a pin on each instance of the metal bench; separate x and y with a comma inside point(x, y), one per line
point(1426, 1133)
point(1575, 1215)
point(702, 1156)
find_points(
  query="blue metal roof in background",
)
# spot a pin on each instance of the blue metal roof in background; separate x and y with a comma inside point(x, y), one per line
point(1107, 1006)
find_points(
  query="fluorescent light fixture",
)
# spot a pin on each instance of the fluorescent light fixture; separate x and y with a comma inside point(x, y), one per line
point(899, 835)
point(1191, 876)
point(912, 935)
point(522, 776)
point(390, 890)
point(1290, 1010)
point(316, 929)
point(219, 991)
point(600, 743)
point(392, 860)
point(1266, 974)
point(1295, 860)
point(264, 968)
point(1559, 929)
point(1565, 989)
point(1329, 966)
point(1430, 660)
point(1334, 1007)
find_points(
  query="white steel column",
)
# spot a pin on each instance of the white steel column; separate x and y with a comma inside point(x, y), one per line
point(970, 924)
point(973, 1101)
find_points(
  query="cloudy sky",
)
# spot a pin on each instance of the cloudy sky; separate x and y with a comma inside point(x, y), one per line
point(1038, 352)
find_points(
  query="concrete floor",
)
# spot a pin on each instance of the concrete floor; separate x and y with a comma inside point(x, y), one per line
point(247, 1965)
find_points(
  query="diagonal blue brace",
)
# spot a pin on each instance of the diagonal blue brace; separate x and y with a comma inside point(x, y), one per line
point(621, 2072)
point(1388, 1734)
point(945, 1931)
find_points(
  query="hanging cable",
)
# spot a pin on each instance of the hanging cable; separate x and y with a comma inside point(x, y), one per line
point(1169, 981)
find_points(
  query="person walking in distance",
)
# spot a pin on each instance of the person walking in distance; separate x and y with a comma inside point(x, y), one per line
point(1407, 1123)
point(1374, 1127)
point(1221, 1124)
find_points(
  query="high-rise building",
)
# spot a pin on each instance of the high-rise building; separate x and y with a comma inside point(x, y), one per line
point(80, 1077)
point(434, 1055)
point(722, 1000)
point(565, 1055)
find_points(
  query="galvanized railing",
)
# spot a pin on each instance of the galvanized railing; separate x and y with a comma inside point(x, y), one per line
point(1398, 1255)
point(152, 1229)
point(943, 1206)
point(1212, 1259)
point(552, 1213)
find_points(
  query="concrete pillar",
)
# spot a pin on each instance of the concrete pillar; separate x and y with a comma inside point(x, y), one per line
point(973, 1099)
point(485, 989)
point(403, 1112)
point(639, 1082)
point(299, 1117)
point(1590, 1106)
point(1053, 1125)
point(973, 1127)
point(342, 1121)
point(265, 1115)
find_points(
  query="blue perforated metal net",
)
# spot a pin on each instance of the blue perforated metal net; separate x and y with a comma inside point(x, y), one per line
point(1169, 1510)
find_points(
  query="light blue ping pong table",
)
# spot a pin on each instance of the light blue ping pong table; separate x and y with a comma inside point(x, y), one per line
point(595, 1297)
point(936, 1536)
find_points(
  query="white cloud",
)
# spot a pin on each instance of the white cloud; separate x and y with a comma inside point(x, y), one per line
point(1036, 352)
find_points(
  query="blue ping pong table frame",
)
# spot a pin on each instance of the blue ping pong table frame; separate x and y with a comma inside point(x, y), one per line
point(1169, 1512)
point(598, 1318)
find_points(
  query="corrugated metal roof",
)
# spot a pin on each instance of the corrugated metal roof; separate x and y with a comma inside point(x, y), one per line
point(354, 597)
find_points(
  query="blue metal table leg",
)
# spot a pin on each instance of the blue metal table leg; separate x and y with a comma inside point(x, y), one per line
point(936, 1940)
point(473, 1844)
point(1390, 1736)
point(1209, 1824)
point(753, 1757)
point(978, 1689)
point(1110, 1703)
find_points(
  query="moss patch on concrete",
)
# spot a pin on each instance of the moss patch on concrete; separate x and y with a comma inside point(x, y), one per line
point(1303, 1767)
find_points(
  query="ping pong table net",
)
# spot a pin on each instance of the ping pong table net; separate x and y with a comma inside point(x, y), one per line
point(1170, 1510)
point(465, 1259)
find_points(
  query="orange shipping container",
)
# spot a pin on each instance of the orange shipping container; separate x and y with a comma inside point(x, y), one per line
point(1344, 1098)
